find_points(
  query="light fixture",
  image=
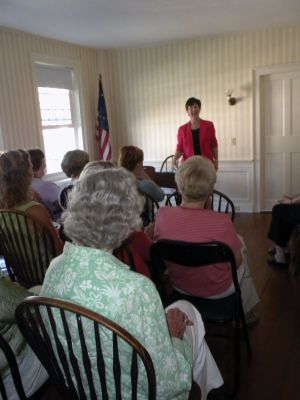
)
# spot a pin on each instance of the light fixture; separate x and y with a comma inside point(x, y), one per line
point(231, 100)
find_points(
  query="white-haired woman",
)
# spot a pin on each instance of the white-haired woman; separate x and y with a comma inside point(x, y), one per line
point(103, 210)
point(192, 222)
point(73, 163)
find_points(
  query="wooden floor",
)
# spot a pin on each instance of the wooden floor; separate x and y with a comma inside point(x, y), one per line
point(272, 373)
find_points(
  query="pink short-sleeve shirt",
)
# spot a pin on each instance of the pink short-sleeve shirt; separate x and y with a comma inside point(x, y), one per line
point(197, 225)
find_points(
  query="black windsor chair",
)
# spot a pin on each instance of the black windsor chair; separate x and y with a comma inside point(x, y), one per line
point(217, 311)
point(27, 247)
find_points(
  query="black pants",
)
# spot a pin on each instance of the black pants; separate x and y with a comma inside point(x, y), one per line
point(284, 219)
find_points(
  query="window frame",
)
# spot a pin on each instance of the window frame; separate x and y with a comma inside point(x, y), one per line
point(77, 113)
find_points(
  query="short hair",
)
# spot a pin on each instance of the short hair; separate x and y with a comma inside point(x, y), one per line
point(130, 156)
point(36, 156)
point(15, 178)
point(195, 178)
point(73, 162)
point(95, 166)
point(191, 101)
point(104, 208)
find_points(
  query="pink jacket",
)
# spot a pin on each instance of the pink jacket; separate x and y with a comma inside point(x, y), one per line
point(208, 140)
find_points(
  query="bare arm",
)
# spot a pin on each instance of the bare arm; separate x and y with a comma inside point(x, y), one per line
point(290, 199)
point(149, 230)
point(296, 199)
point(177, 155)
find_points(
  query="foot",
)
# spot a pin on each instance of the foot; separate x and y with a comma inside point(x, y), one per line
point(272, 251)
point(251, 318)
point(277, 263)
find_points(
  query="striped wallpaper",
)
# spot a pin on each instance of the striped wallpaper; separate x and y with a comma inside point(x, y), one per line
point(149, 87)
point(19, 113)
point(146, 88)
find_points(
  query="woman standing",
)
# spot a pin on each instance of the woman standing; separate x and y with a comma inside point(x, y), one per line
point(197, 137)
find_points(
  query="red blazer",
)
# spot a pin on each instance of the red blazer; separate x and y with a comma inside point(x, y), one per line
point(208, 140)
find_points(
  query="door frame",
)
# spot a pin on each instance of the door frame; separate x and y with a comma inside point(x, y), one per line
point(258, 74)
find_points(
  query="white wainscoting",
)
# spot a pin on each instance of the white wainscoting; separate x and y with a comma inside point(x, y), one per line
point(235, 179)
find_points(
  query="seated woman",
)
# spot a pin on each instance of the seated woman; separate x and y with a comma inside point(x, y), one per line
point(32, 373)
point(15, 189)
point(285, 216)
point(95, 166)
point(131, 158)
point(191, 222)
point(103, 210)
point(135, 250)
point(48, 191)
point(72, 165)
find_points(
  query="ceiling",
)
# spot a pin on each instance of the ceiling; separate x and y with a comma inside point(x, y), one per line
point(134, 23)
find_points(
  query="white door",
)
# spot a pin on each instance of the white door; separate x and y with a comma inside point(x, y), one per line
point(280, 129)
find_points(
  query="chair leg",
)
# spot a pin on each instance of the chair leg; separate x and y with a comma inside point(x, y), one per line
point(237, 358)
point(245, 331)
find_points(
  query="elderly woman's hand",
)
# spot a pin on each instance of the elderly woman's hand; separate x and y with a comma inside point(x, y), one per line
point(286, 199)
point(177, 322)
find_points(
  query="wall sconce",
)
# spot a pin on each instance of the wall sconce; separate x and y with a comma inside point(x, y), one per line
point(231, 100)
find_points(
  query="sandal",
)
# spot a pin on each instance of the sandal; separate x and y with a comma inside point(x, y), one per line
point(275, 263)
point(251, 317)
point(272, 251)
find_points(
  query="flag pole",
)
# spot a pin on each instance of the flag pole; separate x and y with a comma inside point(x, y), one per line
point(102, 135)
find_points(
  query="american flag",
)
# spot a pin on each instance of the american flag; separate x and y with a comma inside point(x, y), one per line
point(102, 127)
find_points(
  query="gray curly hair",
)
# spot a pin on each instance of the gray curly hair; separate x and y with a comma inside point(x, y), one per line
point(95, 166)
point(104, 208)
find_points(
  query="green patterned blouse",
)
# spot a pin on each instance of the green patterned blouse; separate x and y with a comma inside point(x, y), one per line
point(97, 280)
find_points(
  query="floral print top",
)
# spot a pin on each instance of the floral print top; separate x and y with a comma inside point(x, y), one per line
point(95, 279)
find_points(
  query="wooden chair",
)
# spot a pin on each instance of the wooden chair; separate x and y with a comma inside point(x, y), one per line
point(150, 208)
point(39, 319)
point(150, 171)
point(165, 180)
point(167, 164)
point(174, 199)
point(52, 326)
point(63, 197)
point(224, 310)
point(222, 203)
point(218, 202)
point(27, 247)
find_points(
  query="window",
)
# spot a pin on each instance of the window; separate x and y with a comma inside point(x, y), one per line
point(59, 115)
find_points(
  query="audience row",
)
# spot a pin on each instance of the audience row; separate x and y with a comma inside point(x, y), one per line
point(103, 224)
